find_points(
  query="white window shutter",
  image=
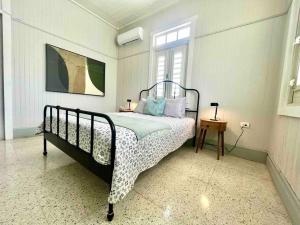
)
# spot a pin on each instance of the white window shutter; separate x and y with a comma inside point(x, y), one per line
point(170, 65)
point(178, 71)
point(161, 67)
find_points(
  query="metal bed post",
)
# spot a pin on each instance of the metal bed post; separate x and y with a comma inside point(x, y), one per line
point(67, 125)
point(86, 159)
point(57, 121)
point(77, 127)
point(44, 130)
point(110, 213)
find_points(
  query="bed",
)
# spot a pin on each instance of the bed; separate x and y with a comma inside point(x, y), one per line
point(116, 152)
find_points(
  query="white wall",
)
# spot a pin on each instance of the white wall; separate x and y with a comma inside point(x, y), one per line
point(63, 24)
point(284, 146)
point(285, 149)
point(1, 84)
point(236, 61)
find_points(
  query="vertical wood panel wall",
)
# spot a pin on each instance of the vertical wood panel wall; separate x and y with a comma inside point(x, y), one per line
point(285, 149)
point(1, 84)
point(284, 146)
point(63, 24)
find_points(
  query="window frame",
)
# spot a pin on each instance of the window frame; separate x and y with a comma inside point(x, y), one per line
point(286, 108)
point(169, 55)
point(175, 42)
point(190, 41)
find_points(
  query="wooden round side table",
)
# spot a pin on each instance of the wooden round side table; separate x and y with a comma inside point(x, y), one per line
point(220, 126)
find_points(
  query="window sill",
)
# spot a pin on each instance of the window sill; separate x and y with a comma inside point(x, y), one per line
point(297, 88)
point(291, 110)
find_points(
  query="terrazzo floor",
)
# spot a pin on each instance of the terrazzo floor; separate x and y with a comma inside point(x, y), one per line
point(184, 188)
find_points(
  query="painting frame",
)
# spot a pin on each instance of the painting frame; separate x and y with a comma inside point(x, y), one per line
point(79, 55)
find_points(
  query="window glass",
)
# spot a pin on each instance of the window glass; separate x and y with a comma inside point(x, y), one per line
point(160, 40)
point(298, 76)
point(184, 32)
point(171, 37)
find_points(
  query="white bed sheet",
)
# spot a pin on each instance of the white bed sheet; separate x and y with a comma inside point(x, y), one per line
point(132, 156)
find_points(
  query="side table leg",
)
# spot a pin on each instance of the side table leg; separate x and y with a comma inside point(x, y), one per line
point(199, 140)
point(203, 139)
point(218, 151)
point(222, 137)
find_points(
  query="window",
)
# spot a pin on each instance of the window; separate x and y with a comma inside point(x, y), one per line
point(294, 97)
point(289, 101)
point(179, 33)
point(170, 65)
point(170, 56)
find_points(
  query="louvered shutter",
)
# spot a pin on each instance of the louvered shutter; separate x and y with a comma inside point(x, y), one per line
point(178, 68)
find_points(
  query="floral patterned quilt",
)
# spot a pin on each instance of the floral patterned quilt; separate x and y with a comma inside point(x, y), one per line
point(132, 156)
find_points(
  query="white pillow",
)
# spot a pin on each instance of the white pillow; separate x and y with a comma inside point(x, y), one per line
point(140, 107)
point(175, 107)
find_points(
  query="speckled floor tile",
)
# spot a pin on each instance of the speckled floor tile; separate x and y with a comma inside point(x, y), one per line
point(135, 210)
point(200, 166)
point(178, 192)
point(71, 193)
point(8, 155)
point(183, 189)
point(258, 191)
point(21, 209)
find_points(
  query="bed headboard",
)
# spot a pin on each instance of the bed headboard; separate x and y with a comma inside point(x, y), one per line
point(189, 93)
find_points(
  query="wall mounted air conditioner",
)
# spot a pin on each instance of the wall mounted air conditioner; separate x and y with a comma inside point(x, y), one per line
point(130, 36)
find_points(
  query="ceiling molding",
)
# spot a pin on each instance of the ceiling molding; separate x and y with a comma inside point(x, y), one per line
point(120, 26)
point(94, 14)
point(148, 15)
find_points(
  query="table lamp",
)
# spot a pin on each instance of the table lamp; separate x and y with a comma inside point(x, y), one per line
point(216, 111)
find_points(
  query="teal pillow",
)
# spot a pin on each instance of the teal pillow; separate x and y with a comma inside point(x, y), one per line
point(155, 107)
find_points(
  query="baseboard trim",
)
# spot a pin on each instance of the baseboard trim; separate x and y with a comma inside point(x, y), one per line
point(245, 153)
point(288, 196)
point(24, 132)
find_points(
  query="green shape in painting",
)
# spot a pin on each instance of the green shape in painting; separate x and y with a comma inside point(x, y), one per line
point(57, 78)
point(97, 73)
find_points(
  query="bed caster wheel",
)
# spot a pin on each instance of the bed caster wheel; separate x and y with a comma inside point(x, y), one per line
point(45, 153)
point(110, 216)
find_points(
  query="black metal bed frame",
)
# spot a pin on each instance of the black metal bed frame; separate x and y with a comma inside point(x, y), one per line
point(86, 158)
point(165, 82)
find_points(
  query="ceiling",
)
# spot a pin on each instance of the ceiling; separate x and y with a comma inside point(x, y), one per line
point(120, 13)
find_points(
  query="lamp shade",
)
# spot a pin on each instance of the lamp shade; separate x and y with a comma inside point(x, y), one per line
point(215, 104)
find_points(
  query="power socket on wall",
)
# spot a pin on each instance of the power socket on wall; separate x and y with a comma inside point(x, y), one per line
point(245, 125)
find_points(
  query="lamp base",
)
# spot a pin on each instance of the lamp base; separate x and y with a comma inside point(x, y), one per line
point(214, 119)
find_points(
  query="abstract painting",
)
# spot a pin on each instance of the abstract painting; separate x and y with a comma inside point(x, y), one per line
point(69, 72)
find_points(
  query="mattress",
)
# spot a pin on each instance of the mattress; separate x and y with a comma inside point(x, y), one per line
point(133, 155)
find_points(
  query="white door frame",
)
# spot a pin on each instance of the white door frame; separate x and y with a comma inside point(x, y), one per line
point(7, 68)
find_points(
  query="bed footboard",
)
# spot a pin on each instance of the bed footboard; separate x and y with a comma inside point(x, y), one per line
point(84, 158)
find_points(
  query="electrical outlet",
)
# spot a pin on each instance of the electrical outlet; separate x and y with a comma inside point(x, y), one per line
point(245, 125)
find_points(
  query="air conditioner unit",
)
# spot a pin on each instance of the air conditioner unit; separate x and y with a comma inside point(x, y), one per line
point(130, 36)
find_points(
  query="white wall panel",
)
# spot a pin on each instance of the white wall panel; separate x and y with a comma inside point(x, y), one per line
point(239, 68)
point(284, 146)
point(132, 77)
point(1, 85)
point(65, 25)
point(285, 149)
point(67, 20)
point(213, 16)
